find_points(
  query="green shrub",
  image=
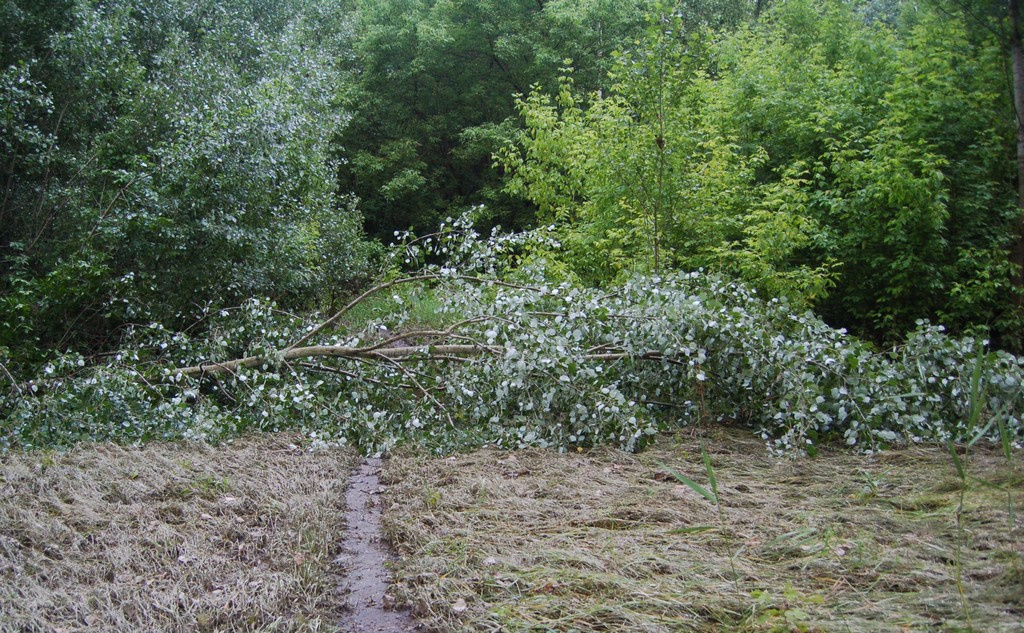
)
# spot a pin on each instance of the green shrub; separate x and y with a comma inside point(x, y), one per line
point(541, 364)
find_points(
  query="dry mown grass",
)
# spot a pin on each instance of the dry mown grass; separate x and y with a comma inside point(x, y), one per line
point(605, 541)
point(173, 537)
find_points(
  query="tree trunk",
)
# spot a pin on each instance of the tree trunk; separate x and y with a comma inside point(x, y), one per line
point(1017, 55)
point(445, 352)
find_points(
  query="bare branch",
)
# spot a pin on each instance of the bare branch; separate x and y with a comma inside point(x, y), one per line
point(428, 352)
point(424, 277)
point(340, 313)
point(412, 378)
point(338, 351)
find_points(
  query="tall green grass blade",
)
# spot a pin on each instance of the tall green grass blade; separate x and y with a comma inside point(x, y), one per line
point(1004, 438)
point(710, 471)
point(960, 471)
point(983, 432)
point(696, 487)
point(976, 390)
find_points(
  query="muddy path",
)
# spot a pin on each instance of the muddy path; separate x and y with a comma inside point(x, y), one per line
point(364, 556)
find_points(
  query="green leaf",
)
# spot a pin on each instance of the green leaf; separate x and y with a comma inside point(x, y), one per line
point(960, 471)
point(710, 471)
point(696, 487)
point(1004, 437)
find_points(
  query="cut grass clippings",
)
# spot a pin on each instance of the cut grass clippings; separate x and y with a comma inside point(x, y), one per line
point(172, 537)
point(244, 536)
point(609, 541)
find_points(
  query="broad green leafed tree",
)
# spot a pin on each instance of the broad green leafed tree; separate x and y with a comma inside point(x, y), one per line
point(855, 157)
point(433, 96)
point(162, 158)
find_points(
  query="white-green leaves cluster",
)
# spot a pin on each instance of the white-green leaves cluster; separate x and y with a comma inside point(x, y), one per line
point(505, 357)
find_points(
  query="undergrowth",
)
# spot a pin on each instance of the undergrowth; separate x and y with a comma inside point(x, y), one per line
point(539, 363)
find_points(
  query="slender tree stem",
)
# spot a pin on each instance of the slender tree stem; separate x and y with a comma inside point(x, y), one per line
point(1017, 56)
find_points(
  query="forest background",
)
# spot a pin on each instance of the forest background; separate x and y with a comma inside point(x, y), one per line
point(186, 181)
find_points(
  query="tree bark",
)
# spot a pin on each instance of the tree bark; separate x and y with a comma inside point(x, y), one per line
point(428, 352)
point(1017, 56)
point(336, 351)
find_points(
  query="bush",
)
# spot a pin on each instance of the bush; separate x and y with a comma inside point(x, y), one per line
point(518, 361)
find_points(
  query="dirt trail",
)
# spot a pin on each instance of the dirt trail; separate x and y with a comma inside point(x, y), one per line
point(364, 556)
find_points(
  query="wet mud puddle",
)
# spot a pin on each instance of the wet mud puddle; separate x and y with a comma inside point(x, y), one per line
point(364, 556)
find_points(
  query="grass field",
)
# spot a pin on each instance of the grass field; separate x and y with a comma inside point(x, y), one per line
point(173, 537)
point(245, 536)
point(609, 541)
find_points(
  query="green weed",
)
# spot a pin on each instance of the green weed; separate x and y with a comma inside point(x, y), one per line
point(713, 497)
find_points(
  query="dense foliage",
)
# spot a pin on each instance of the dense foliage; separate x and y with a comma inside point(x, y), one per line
point(433, 90)
point(432, 98)
point(823, 153)
point(162, 158)
point(721, 185)
point(531, 363)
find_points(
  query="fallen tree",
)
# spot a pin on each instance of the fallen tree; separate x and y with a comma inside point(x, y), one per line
point(395, 347)
point(470, 352)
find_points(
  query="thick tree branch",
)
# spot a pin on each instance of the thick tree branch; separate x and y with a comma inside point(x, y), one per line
point(340, 313)
point(337, 351)
point(1017, 59)
point(390, 354)
point(424, 277)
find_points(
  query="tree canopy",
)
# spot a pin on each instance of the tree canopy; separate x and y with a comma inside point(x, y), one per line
point(802, 215)
point(162, 158)
point(861, 166)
